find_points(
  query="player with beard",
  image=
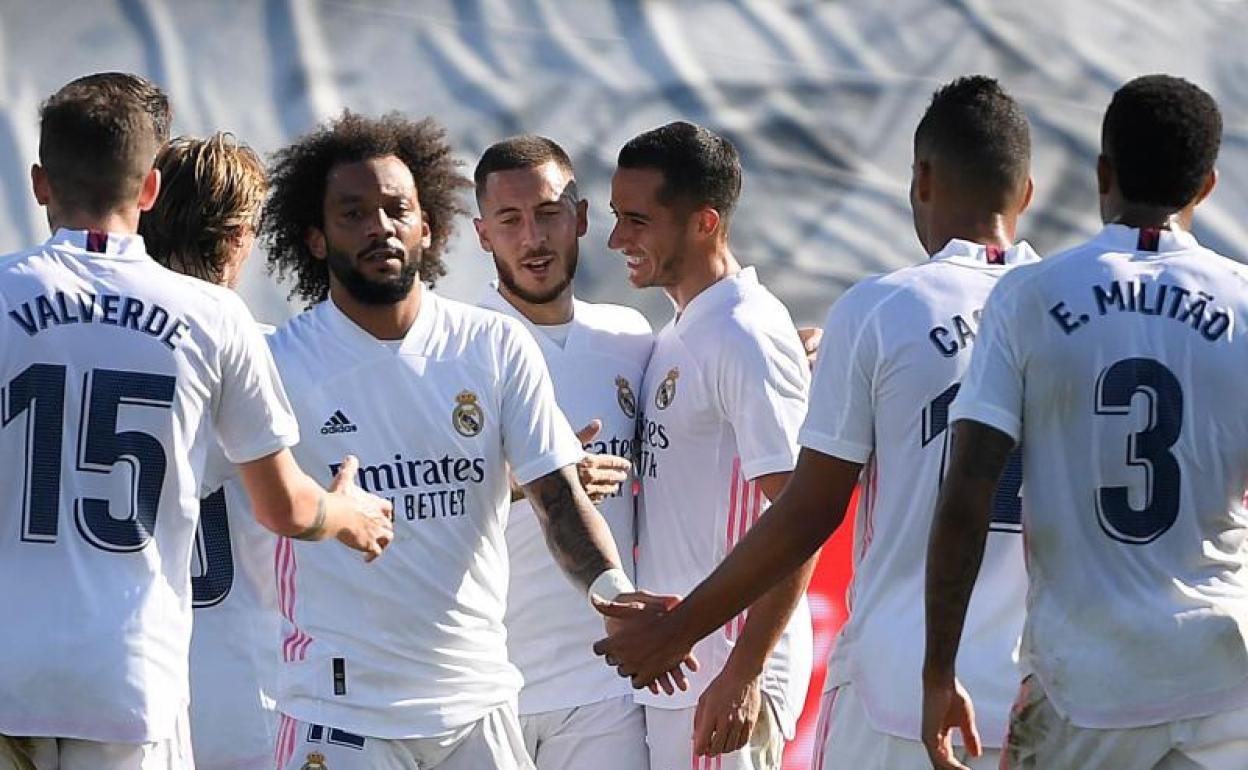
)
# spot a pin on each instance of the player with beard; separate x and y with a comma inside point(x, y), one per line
point(723, 398)
point(406, 666)
point(574, 712)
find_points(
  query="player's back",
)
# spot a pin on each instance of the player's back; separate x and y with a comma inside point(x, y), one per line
point(1135, 440)
point(112, 369)
point(898, 345)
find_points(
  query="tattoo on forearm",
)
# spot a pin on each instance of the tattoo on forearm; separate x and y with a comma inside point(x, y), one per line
point(317, 529)
point(567, 527)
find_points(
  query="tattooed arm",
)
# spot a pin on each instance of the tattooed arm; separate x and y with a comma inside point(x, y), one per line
point(954, 551)
point(576, 533)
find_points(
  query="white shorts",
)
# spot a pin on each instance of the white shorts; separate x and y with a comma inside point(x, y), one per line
point(669, 736)
point(845, 740)
point(493, 742)
point(75, 754)
point(1040, 739)
point(608, 735)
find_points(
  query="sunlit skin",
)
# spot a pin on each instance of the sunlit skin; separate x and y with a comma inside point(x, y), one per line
point(373, 236)
point(531, 221)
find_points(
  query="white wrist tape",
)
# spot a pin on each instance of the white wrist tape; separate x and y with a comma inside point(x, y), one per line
point(611, 584)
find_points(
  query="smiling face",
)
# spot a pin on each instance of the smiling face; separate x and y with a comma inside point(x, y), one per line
point(374, 233)
point(531, 220)
point(651, 234)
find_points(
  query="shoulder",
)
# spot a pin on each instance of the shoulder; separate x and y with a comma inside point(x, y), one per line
point(757, 330)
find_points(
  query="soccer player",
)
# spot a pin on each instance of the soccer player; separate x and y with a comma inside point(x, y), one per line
point(723, 397)
point(1118, 366)
point(117, 374)
point(406, 666)
point(574, 712)
point(203, 224)
point(893, 351)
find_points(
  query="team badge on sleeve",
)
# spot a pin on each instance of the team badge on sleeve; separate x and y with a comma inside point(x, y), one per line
point(316, 761)
point(666, 393)
point(625, 397)
point(467, 417)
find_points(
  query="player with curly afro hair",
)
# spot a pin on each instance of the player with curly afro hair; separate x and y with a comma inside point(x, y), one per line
point(312, 231)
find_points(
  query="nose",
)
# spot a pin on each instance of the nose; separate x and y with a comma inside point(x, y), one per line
point(531, 236)
point(381, 226)
point(615, 241)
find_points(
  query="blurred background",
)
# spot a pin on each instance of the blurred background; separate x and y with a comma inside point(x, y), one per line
point(821, 99)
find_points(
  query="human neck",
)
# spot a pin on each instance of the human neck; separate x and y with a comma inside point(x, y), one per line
point(385, 322)
point(701, 271)
point(994, 229)
point(122, 221)
point(557, 311)
point(1143, 216)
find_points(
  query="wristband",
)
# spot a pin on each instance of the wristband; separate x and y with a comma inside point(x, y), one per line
point(611, 584)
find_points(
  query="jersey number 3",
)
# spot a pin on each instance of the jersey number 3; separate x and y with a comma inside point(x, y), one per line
point(40, 390)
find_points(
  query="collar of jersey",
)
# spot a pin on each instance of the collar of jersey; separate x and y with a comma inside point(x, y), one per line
point(494, 300)
point(414, 341)
point(958, 249)
point(117, 245)
point(1120, 238)
point(717, 293)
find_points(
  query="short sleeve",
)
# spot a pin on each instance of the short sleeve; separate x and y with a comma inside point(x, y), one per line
point(763, 384)
point(841, 419)
point(253, 418)
point(537, 438)
point(992, 388)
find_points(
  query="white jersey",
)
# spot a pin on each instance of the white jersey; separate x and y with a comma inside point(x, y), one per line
point(724, 396)
point(551, 627)
point(234, 641)
point(1120, 367)
point(117, 373)
point(894, 349)
point(412, 645)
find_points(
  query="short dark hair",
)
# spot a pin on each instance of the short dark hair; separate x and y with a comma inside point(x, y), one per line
point(298, 180)
point(211, 193)
point(97, 138)
point(1161, 134)
point(978, 129)
point(516, 152)
point(699, 167)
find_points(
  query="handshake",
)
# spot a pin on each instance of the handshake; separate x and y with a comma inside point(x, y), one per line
point(644, 642)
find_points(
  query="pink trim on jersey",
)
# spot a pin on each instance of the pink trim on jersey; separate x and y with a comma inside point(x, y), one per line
point(745, 504)
point(285, 568)
point(285, 747)
point(708, 763)
point(824, 727)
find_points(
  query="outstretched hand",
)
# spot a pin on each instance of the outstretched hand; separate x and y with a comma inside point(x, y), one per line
point(600, 474)
point(946, 706)
point(643, 642)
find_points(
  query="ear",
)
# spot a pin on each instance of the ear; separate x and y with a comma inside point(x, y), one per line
point(39, 184)
point(708, 221)
point(1206, 187)
point(315, 241)
point(1028, 194)
point(923, 180)
point(426, 234)
point(150, 190)
point(582, 217)
point(1104, 174)
point(482, 237)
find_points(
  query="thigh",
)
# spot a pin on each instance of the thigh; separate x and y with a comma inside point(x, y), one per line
point(1217, 742)
point(306, 746)
point(27, 753)
point(1039, 738)
point(609, 735)
point(494, 743)
point(173, 753)
point(669, 740)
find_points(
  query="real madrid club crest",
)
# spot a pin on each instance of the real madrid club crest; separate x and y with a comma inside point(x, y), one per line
point(625, 398)
point(467, 417)
point(316, 761)
point(666, 393)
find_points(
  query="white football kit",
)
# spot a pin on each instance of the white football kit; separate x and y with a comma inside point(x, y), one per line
point(412, 646)
point(117, 374)
point(1119, 366)
point(724, 396)
point(551, 628)
point(894, 349)
point(234, 640)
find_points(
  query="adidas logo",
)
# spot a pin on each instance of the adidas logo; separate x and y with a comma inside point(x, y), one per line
point(338, 423)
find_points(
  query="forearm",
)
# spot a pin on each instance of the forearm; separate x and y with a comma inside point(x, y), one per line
point(576, 533)
point(958, 536)
point(767, 619)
